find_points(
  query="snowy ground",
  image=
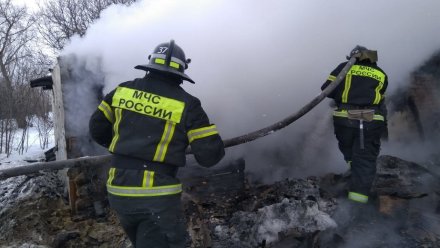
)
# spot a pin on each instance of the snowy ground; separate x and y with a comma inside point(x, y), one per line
point(16, 188)
point(34, 151)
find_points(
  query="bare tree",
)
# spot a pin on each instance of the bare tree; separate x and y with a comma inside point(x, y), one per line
point(61, 19)
point(44, 125)
point(14, 26)
point(20, 60)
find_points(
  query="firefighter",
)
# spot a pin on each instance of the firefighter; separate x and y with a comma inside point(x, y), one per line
point(147, 124)
point(360, 118)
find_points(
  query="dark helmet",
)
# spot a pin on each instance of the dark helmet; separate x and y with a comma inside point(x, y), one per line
point(357, 49)
point(362, 53)
point(170, 58)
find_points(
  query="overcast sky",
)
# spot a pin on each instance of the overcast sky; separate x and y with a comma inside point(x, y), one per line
point(255, 62)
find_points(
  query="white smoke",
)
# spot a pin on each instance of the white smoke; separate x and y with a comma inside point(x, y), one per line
point(255, 62)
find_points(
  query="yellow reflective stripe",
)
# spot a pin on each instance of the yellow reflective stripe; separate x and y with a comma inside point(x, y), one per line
point(146, 103)
point(331, 78)
point(366, 71)
point(174, 65)
point(149, 191)
point(357, 197)
point(159, 61)
point(111, 175)
point(346, 88)
point(378, 97)
point(162, 62)
point(344, 113)
point(118, 115)
point(150, 184)
point(147, 180)
point(201, 133)
point(378, 118)
point(107, 111)
point(162, 147)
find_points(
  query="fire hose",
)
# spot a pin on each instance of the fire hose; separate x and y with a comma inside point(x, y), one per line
point(102, 159)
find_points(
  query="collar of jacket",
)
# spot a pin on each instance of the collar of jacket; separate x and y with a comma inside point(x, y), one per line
point(165, 77)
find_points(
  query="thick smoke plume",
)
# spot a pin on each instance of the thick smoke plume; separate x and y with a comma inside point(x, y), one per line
point(255, 62)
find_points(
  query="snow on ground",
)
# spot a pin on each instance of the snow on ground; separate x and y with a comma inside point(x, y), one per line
point(17, 188)
point(34, 151)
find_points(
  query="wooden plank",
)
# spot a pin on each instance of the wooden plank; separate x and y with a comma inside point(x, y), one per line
point(391, 206)
point(58, 114)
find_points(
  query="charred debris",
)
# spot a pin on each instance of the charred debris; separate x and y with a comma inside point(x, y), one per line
point(224, 210)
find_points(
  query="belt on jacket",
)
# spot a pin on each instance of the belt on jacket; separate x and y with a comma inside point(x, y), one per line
point(345, 106)
point(131, 163)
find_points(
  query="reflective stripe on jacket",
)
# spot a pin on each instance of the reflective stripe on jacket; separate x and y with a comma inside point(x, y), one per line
point(154, 119)
point(365, 84)
point(141, 183)
point(147, 124)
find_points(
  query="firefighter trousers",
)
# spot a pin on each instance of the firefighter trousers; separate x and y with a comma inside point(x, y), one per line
point(152, 222)
point(361, 161)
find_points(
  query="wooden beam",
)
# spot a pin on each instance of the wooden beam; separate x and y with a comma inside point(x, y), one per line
point(54, 165)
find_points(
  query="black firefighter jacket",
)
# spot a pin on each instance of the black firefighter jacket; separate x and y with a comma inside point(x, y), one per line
point(363, 87)
point(153, 120)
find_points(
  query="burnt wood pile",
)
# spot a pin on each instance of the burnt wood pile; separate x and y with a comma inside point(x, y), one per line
point(404, 213)
point(224, 210)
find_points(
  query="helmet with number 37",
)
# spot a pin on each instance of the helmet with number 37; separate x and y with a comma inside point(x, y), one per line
point(169, 58)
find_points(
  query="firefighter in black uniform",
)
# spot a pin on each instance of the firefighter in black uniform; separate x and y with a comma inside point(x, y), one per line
point(360, 118)
point(147, 124)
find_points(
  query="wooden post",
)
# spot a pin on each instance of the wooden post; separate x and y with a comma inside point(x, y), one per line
point(72, 196)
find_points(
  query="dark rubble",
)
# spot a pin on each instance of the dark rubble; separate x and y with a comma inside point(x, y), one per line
point(405, 212)
point(261, 216)
point(224, 210)
point(215, 211)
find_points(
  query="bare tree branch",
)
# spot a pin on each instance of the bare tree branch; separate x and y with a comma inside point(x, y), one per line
point(21, 59)
point(15, 30)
